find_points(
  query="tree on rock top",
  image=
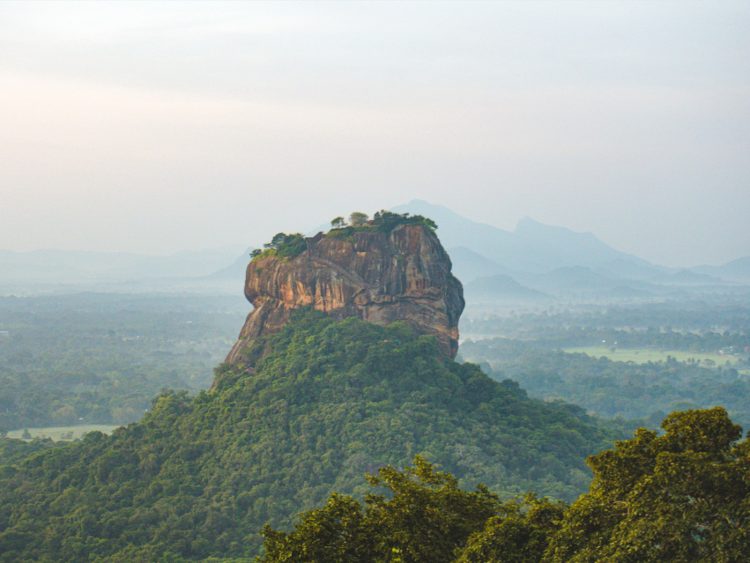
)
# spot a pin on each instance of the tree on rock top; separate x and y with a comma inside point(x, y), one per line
point(358, 219)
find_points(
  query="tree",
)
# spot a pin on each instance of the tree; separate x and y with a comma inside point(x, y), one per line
point(277, 240)
point(358, 219)
point(520, 534)
point(334, 533)
point(286, 246)
point(338, 223)
point(682, 496)
point(426, 518)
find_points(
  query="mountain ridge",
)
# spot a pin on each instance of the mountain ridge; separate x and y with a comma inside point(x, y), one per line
point(533, 247)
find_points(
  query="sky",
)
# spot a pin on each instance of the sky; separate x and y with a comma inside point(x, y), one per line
point(161, 127)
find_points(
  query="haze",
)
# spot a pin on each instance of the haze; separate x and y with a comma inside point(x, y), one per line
point(161, 127)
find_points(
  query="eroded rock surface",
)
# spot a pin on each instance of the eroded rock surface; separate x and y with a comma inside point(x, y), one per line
point(402, 275)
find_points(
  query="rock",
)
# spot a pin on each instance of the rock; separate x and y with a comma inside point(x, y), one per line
point(380, 277)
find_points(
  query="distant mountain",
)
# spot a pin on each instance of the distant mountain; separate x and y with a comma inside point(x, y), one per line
point(736, 270)
point(501, 288)
point(469, 265)
point(235, 270)
point(571, 281)
point(79, 267)
point(572, 277)
point(687, 277)
point(532, 247)
point(564, 264)
point(628, 269)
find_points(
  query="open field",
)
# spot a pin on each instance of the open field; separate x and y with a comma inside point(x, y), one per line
point(59, 433)
point(644, 355)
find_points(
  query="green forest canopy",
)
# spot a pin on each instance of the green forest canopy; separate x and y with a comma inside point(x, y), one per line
point(681, 496)
point(607, 388)
point(331, 401)
point(94, 358)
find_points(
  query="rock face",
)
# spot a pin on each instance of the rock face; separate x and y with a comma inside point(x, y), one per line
point(402, 275)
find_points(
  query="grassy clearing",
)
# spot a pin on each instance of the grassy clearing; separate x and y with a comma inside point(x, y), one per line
point(61, 433)
point(644, 355)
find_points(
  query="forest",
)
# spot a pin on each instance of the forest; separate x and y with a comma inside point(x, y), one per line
point(101, 358)
point(542, 352)
point(676, 496)
point(614, 389)
point(340, 419)
point(94, 358)
point(679, 320)
point(199, 477)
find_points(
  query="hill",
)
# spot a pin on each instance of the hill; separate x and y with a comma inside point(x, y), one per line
point(469, 265)
point(44, 272)
point(330, 401)
point(100, 358)
point(532, 247)
point(321, 387)
point(234, 271)
point(678, 496)
point(736, 270)
point(501, 287)
point(77, 267)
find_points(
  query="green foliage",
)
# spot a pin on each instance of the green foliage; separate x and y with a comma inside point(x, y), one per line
point(383, 221)
point(358, 219)
point(102, 357)
point(520, 534)
point(682, 496)
point(614, 389)
point(198, 477)
point(290, 245)
point(386, 221)
point(283, 246)
point(330, 401)
point(424, 517)
point(12, 451)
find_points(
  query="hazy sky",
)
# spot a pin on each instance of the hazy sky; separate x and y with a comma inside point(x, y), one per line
point(161, 127)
